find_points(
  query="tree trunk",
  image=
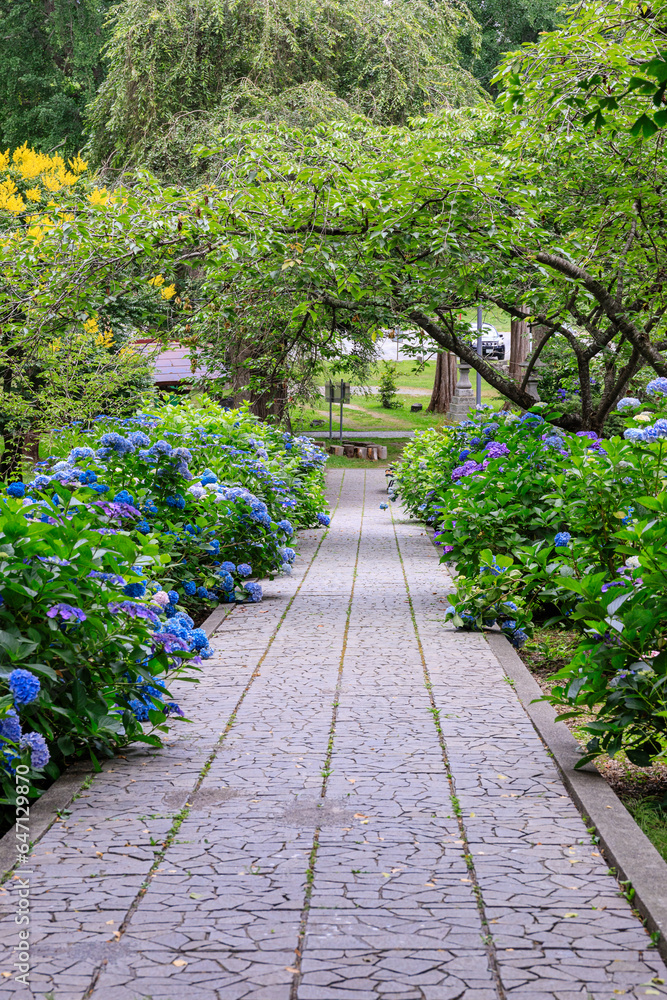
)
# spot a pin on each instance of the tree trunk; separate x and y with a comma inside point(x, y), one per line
point(10, 460)
point(518, 348)
point(31, 446)
point(444, 383)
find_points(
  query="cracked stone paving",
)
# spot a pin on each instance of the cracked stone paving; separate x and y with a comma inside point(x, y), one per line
point(359, 809)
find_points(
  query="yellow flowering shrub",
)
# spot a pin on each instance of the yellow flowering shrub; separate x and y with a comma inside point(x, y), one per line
point(27, 175)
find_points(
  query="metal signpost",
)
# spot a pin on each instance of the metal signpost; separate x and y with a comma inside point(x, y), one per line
point(478, 398)
point(336, 394)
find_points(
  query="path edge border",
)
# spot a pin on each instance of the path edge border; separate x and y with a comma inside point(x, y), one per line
point(63, 791)
point(626, 847)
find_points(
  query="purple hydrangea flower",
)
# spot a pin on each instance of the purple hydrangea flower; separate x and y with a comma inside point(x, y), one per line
point(657, 386)
point(67, 612)
point(39, 751)
point(133, 610)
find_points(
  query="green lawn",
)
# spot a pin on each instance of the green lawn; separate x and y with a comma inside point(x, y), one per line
point(366, 413)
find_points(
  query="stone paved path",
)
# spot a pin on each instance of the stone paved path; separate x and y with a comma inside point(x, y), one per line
point(360, 810)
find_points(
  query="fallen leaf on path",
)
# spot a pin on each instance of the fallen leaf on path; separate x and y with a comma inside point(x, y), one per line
point(179, 962)
point(292, 969)
point(570, 914)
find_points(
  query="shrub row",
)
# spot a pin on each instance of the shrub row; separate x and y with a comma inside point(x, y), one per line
point(113, 549)
point(559, 528)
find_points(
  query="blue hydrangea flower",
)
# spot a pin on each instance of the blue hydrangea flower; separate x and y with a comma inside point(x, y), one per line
point(226, 580)
point(78, 454)
point(143, 527)
point(171, 708)
point(24, 686)
point(160, 447)
point(101, 488)
point(228, 567)
point(199, 638)
point(139, 439)
point(244, 569)
point(135, 589)
point(208, 478)
point(190, 588)
point(177, 501)
point(117, 443)
point(174, 596)
point(324, 519)
point(384, 506)
point(657, 386)
point(39, 751)
point(202, 592)
point(628, 402)
point(124, 497)
point(661, 427)
point(562, 539)
point(139, 709)
point(254, 592)
point(16, 490)
point(10, 727)
point(634, 434)
point(150, 507)
point(288, 554)
point(87, 478)
point(286, 526)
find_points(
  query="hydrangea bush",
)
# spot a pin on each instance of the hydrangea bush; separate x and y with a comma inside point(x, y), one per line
point(546, 525)
point(112, 547)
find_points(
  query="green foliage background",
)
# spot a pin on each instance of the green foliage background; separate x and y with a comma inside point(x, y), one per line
point(50, 68)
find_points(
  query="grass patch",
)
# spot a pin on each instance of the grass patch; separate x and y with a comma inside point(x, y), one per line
point(365, 414)
point(650, 815)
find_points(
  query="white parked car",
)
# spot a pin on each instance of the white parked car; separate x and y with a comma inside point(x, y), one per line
point(493, 345)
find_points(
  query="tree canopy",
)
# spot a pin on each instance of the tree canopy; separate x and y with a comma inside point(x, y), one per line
point(50, 68)
point(195, 65)
point(505, 26)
